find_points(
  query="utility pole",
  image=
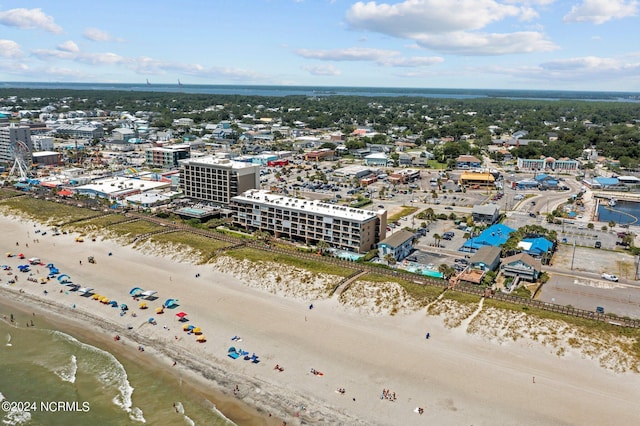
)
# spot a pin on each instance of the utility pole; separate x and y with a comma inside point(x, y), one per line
point(573, 256)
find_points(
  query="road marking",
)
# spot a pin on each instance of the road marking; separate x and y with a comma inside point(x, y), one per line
point(609, 285)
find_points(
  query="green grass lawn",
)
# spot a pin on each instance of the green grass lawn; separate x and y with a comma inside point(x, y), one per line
point(406, 211)
point(319, 267)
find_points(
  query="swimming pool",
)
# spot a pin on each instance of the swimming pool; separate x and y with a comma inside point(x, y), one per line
point(427, 272)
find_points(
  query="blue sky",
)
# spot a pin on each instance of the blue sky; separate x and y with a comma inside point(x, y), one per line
point(502, 44)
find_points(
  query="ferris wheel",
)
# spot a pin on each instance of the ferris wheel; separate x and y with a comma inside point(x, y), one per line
point(19, 152)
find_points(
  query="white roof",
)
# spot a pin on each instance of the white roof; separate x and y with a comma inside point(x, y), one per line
point(375, 155)
point(310, 206)
point(118, 184)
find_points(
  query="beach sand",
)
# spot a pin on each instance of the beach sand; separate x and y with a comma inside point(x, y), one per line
point(457, 377)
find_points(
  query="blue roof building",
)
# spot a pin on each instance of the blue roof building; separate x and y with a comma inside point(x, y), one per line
point(536, 247)
point(495, 235)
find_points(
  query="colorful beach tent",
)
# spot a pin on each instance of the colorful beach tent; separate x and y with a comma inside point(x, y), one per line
point(201, 339)
point(197, 330)
point(64, 278)
point(170, 303)
point(136, 291)
point(181, 314)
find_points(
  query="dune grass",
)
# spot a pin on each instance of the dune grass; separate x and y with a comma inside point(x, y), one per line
point(319, 267)
point(136, 228)
point(419, 292)
point(205, 247)
point(45, 211)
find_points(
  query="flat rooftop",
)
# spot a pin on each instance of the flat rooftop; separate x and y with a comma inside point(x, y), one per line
point(310, 206)
point(216, 161)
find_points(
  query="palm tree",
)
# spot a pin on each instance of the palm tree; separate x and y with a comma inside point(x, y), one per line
point(437, 238)
point(390, 259)
point(322, 247)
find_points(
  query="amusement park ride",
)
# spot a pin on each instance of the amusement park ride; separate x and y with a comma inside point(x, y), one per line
point(21, 159)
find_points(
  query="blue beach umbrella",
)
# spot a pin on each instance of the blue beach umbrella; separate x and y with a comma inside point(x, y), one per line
point(171, 303)
point(136, 291)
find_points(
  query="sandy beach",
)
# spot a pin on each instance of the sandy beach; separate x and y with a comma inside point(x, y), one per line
point(457, 377)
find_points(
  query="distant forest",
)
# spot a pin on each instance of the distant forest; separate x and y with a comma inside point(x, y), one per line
point(613, 128)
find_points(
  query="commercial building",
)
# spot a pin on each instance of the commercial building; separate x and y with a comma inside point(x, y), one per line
point(477, 179)
point(404, 176)
point(91, 130)
point(548, 164)
point(310, 221)
point(166, 158)
point(217, 180)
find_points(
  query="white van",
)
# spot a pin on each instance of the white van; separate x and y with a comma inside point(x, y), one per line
point(610, 277)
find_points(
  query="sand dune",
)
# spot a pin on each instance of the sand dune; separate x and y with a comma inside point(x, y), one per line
point(473, 369)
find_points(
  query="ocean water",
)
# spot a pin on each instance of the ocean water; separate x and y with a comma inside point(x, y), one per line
point(623, 213)
point(52, 378)
point(268, 90)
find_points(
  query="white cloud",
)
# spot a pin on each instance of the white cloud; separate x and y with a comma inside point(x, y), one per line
point(601, 11)
point(476, 44)
point(412, 18)
point(29, 19)
point(81, 57)
point(9, 49)
point(322, 70)
point(583, 64)
point(95, 34)
point(69, 46)
point(453, 26)
point(570, 72)
point(379, 56)
point(349, 54)
point(413, 62)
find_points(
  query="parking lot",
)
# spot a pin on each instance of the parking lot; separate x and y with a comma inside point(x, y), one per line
point(576, 280)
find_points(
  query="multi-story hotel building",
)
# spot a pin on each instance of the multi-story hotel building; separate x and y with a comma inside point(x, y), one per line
point(167, 158)
point(217, 180)
point(9, 135)
point(311, 221)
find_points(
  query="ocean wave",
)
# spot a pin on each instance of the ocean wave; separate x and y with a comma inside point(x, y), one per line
point(219, 413)
point(180, 409)
point(109, 371)
point(9, 339)
point(68, 372)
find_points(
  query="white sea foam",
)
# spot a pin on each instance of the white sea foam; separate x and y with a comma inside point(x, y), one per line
point(109, 373)
point(9, 339)
point(219, 413)
point(16, 418)
point(68, 372)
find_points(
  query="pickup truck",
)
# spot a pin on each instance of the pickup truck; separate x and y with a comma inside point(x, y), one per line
point(610, 277)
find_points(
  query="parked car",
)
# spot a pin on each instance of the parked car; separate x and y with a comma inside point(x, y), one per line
point(598, 244)
point(600, 310)
point(610, 277)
